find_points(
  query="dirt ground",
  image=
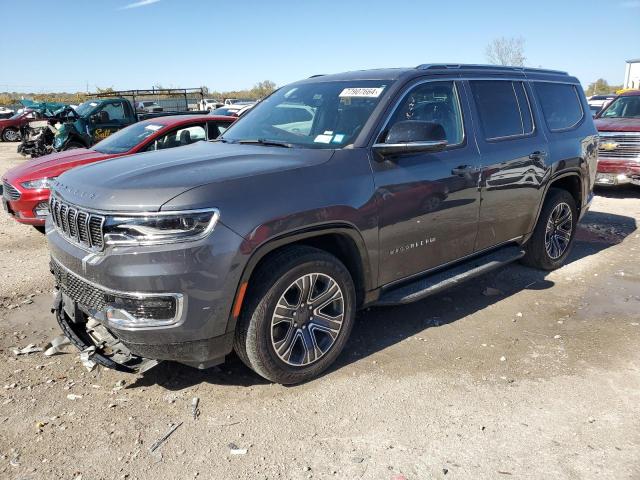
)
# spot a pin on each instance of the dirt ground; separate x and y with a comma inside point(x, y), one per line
point(537, 380)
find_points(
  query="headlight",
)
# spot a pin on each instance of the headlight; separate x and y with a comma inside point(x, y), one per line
point(161, 227)
point(38, 184)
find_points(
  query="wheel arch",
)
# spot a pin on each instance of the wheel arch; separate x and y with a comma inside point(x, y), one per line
point(341, 240)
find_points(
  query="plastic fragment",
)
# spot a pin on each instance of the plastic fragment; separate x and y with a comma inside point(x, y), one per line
point(195, 412)
point(235, 450)
point(55, 346)
point(31, 348)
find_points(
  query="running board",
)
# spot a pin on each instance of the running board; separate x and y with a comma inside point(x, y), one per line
point(444, 279)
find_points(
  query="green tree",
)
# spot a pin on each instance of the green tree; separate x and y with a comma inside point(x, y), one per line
point(601, 87)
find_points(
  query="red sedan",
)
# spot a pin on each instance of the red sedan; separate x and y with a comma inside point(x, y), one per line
point(25, 188)
point(10, 127)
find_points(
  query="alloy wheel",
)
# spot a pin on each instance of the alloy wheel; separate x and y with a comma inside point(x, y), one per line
point(307, 319)
point(558, 232)
point(11, 135)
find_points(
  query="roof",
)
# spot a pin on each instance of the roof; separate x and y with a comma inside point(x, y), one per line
point(635, 60)
point(433, 68)
point(630, 93)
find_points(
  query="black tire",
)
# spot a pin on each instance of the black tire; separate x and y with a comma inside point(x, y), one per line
point(39, 228)
point(11, 135)
point(73, 146)
point(537, 253)
point(254, 342)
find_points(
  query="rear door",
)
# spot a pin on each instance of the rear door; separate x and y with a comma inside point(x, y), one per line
point(513, 156)
point(428, 202)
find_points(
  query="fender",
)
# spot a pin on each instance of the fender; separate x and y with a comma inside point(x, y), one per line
point(305, 234)
point(571, 172)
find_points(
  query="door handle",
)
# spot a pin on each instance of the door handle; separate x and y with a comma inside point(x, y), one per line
point(538, 155)
point(462, 170)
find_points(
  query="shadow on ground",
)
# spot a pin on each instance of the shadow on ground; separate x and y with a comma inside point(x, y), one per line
point(379, 328)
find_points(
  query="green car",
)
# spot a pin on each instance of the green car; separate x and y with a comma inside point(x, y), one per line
point(94, 120)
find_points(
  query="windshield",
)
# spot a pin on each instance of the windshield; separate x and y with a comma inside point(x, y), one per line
point(85, 108)
point(311, 115)
point(225, 111)
point(17, 115)
point(623, 107)
point(127, 138)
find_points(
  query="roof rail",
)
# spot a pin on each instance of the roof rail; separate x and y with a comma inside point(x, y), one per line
point(502, 68)
point(318, 75)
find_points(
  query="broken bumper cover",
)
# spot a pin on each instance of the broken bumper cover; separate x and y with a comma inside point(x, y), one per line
point(167, 302)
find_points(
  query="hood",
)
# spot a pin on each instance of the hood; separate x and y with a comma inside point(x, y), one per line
point(53, 164)
point(618, 124)
point(154, 178)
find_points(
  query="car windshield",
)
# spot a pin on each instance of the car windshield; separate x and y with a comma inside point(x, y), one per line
point(86, 108)
point(127, 138)
point(17, 115)
point(623, 107)
point(224, 111)
point(311, 115)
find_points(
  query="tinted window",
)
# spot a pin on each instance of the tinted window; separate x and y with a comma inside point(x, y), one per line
point(435, 102)
point(560, 103)
point(217, 128)
point(503, 108)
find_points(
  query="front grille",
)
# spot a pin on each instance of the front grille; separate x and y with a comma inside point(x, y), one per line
point(10, 192)
point(620, 146)
point(77, 289)
point(81, 227)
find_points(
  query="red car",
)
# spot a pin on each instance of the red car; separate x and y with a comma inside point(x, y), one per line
point(619, 150)
point(10, 127)
point(25, 188)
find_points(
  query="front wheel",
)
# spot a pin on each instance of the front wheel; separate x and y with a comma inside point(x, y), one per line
point(298, 315)
point(553, 236)
point(11, 135)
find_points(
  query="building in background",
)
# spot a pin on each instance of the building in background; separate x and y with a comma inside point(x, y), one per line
point(632, 74)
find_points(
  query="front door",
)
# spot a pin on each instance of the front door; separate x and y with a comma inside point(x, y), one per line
point(429, 202)
point(513, 153)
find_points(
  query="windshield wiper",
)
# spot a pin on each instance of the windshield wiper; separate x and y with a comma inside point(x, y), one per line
point(263, 141)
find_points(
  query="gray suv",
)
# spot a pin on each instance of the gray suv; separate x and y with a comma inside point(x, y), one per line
point(335, 193)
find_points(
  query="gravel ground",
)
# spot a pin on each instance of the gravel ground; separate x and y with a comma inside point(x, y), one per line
point(519, 374)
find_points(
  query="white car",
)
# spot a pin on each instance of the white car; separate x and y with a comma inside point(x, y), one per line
point(600, 101)
point(209, 104)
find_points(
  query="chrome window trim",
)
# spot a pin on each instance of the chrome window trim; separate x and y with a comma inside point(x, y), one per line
point(179, 298)
point(411, 87)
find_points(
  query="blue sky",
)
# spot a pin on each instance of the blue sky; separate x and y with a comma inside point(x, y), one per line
point(67, 44)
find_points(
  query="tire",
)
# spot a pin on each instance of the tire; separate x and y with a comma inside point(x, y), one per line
point(73, 146)
point(11, 135)
point(279, 282)
point(547, 250)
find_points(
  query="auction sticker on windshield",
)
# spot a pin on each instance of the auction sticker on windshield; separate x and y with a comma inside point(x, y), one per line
point(362, 92)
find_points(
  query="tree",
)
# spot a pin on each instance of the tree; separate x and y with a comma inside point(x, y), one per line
point(506, 51)
point(601, 87)
point(262, 89)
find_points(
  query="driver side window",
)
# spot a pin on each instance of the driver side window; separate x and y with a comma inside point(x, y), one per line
point(434, 102)
point(178, 138)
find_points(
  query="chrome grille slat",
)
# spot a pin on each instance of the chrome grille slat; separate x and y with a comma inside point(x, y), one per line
point(78, 226)
point(628, 146)
point(9, 192)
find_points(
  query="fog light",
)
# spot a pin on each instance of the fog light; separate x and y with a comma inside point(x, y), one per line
point(41, 210)
point(152, 311)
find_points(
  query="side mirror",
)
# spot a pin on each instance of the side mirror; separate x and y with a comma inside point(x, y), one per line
point(412, 136)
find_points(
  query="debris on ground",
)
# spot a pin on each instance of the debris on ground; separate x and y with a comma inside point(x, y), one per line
point(235, 450)
point(31, 348)
point(56, 345)
point(73, 396)
point(158, 443)
point(195, 412)
point(85, 357)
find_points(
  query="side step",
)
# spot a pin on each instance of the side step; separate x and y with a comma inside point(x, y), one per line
point(444, 279)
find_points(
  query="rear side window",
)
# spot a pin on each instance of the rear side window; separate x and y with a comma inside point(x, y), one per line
point(503, 107)
point(561, 105)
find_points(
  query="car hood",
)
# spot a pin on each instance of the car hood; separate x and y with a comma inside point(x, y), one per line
point(157, 177)
point(618, 124)
point(54, 164)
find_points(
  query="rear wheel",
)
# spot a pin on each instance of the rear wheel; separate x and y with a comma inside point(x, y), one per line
point(553, 236)
point(297, 317)
point(11, 135)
